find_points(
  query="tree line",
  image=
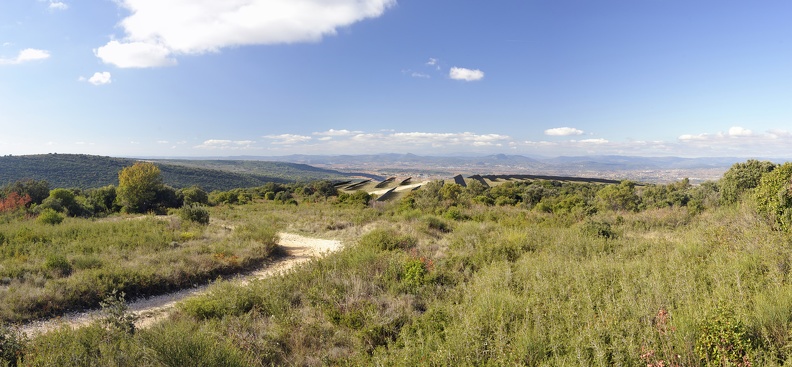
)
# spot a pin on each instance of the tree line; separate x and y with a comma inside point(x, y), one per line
point(141, 190)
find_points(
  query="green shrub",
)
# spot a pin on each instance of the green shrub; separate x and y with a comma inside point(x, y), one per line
point(50, 216)
point(116, 315)
point(415, 274)
point(773, 196)
point(195, 213)
point(437, 224)
point(12, 345)
point(58, 265)
point(386, 240)
point(723, 340)
point(599, 229)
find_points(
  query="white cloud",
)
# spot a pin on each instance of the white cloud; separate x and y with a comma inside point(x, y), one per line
point(135, 54)
point(220, 144)
point(157, 31)
point(432, 61)
point(419, 75)
point(444, 139)
point(99, 78)
point(26, 55)
point(778, 133)
point(288, 139)
point(563, 131)
point(690, 137)
point(58, 5)
point(738, 131)
point(591, 141)
point(162, 142)
point(333, 132)
point(738, 141)
point(467, 75)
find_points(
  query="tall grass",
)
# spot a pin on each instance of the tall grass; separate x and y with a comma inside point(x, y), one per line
point(46, 270)
point(485, 286)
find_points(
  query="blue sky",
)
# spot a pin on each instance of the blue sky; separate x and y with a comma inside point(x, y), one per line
point(277, 77)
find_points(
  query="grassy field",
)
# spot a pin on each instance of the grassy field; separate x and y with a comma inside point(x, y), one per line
point(442, 277)
point(47, 269)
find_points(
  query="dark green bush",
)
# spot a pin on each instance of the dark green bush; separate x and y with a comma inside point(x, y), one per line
point(58, 265)
point(195, 213)
point(12, 345)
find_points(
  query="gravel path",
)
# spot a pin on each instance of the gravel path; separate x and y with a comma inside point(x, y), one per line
point(153, 309)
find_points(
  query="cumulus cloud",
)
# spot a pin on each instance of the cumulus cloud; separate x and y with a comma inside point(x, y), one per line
point(135, 54)
point(739, 131)
point(26, 55)
point(563, 131)
point(157, 31)
point(468, 75)
point(99, 78)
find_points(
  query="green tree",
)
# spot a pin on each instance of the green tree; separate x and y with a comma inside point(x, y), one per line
point(619, 197)
point(773, 196)
point(63, 200)
point(742, 177)
point(37, 190)
point(193, 195)
point(138, 186)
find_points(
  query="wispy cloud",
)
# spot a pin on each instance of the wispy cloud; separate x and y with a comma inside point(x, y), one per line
point(468, 75)
point(58, 5)
point(334, 132)
point(156, 32)
point(288, 139)
point(220, 144)
point(737, 142)
point(26, 55)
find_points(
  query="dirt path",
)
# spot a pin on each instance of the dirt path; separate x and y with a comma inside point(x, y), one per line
point(153, 309)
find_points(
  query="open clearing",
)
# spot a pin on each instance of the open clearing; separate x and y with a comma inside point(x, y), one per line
point(153, 309)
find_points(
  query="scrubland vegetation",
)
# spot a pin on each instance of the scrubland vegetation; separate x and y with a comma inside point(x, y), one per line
point(535, 273)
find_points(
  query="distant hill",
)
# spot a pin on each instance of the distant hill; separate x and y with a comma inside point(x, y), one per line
point(87, 171)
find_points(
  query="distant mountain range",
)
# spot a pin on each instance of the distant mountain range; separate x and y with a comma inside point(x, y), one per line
point(645, 169)
point(600, 161)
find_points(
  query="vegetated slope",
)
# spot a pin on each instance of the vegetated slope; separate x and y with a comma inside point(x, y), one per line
point(87, 171)
point(285, 170)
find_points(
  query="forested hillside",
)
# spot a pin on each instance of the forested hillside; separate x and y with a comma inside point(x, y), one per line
point(87, 171)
